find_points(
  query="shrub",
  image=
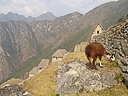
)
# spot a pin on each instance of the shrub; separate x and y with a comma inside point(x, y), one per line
point(113, 64)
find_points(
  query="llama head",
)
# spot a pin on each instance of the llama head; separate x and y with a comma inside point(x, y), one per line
point(112, 57)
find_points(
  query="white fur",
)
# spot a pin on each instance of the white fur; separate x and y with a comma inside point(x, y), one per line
point(108, 56)
point(100, 63)
point(113, 58)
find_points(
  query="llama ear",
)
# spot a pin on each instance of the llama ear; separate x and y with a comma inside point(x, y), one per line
point(113, 55)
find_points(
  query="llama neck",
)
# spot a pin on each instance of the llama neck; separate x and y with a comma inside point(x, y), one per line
point(106, 53)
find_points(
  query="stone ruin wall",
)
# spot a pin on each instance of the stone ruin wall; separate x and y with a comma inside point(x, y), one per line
point(115, 41)
point(80, 47)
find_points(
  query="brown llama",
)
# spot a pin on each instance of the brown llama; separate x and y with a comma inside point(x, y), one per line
point(94, 50)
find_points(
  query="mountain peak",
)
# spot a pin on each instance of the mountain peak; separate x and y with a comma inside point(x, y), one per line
point(9, 13)
point(46, 16)
point(16, 17)
point(49, 13)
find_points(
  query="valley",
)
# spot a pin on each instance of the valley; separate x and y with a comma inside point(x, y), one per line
point(24, 44)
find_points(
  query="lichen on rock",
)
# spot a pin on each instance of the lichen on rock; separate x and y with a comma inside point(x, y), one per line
point(78, 78)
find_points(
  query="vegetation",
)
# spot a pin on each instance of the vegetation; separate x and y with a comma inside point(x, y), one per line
point(44, 83)
point(113, 64)
point(82, 36)
point(119, 77)
point(75, 55)
point(114, 91)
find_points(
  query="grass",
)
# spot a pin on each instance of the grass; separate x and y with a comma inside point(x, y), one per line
point(113, 64)
point(44, 83)
point(81, 55)
point(75, 55)
point(114, 91)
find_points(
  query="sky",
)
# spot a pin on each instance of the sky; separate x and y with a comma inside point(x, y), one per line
point(57, 7)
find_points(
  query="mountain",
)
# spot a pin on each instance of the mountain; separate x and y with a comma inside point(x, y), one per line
point(47, 16)
point(11, 16)
point(56, 31)
point(23, 44)
point(15, 17)
point(106, 15)
point(17, 45)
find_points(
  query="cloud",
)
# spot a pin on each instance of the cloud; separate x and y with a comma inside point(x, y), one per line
point(104, 1)
point(57, 7)
point(25, 7)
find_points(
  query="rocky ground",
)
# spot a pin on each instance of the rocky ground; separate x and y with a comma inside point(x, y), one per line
point(77, 77)
point(13, 90)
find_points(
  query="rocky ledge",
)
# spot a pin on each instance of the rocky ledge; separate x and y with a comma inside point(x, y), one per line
point(13, 90)
point(76, 77)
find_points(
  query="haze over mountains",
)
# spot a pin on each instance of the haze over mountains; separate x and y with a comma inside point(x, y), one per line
point(16, 17)
point(23, 44)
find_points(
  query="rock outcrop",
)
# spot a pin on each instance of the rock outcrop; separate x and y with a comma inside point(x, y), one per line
point(13, 90)
point(76, 78)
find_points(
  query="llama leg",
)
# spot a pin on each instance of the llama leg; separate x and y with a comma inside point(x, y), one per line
point(100, 61)
point(100, 64)
point(89, 58)
point(94, 63)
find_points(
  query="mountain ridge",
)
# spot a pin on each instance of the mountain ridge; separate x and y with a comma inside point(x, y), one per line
point(16, 17)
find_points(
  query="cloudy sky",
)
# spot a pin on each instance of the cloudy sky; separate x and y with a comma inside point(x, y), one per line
point(57, 7)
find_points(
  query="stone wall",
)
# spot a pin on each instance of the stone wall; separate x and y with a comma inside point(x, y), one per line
point(80, 47)
point(98, 30)
point(115, 41)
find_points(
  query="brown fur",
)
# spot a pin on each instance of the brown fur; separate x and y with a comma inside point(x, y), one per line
point(94, 50)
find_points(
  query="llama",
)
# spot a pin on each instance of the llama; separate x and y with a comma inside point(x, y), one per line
point(94, 50)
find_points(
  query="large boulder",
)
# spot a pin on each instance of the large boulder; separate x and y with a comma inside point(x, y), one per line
point(13, 90)
point(76, 77)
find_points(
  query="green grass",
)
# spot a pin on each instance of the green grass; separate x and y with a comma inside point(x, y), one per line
point(113, 64)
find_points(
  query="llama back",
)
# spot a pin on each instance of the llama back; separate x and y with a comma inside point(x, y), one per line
point(88, 50)
point(95, 48)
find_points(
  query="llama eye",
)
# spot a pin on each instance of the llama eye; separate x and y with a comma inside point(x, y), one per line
point(111, 57)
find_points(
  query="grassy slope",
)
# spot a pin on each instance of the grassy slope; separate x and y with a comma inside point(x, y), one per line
point(114, 91)
point(82, 36)
point(44, 83)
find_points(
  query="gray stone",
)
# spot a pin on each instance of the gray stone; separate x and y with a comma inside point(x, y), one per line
point(108, 78)
point(78, 78)
point(124, 68)
point(13, 90)
point(124, 61)
point(125, 75)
